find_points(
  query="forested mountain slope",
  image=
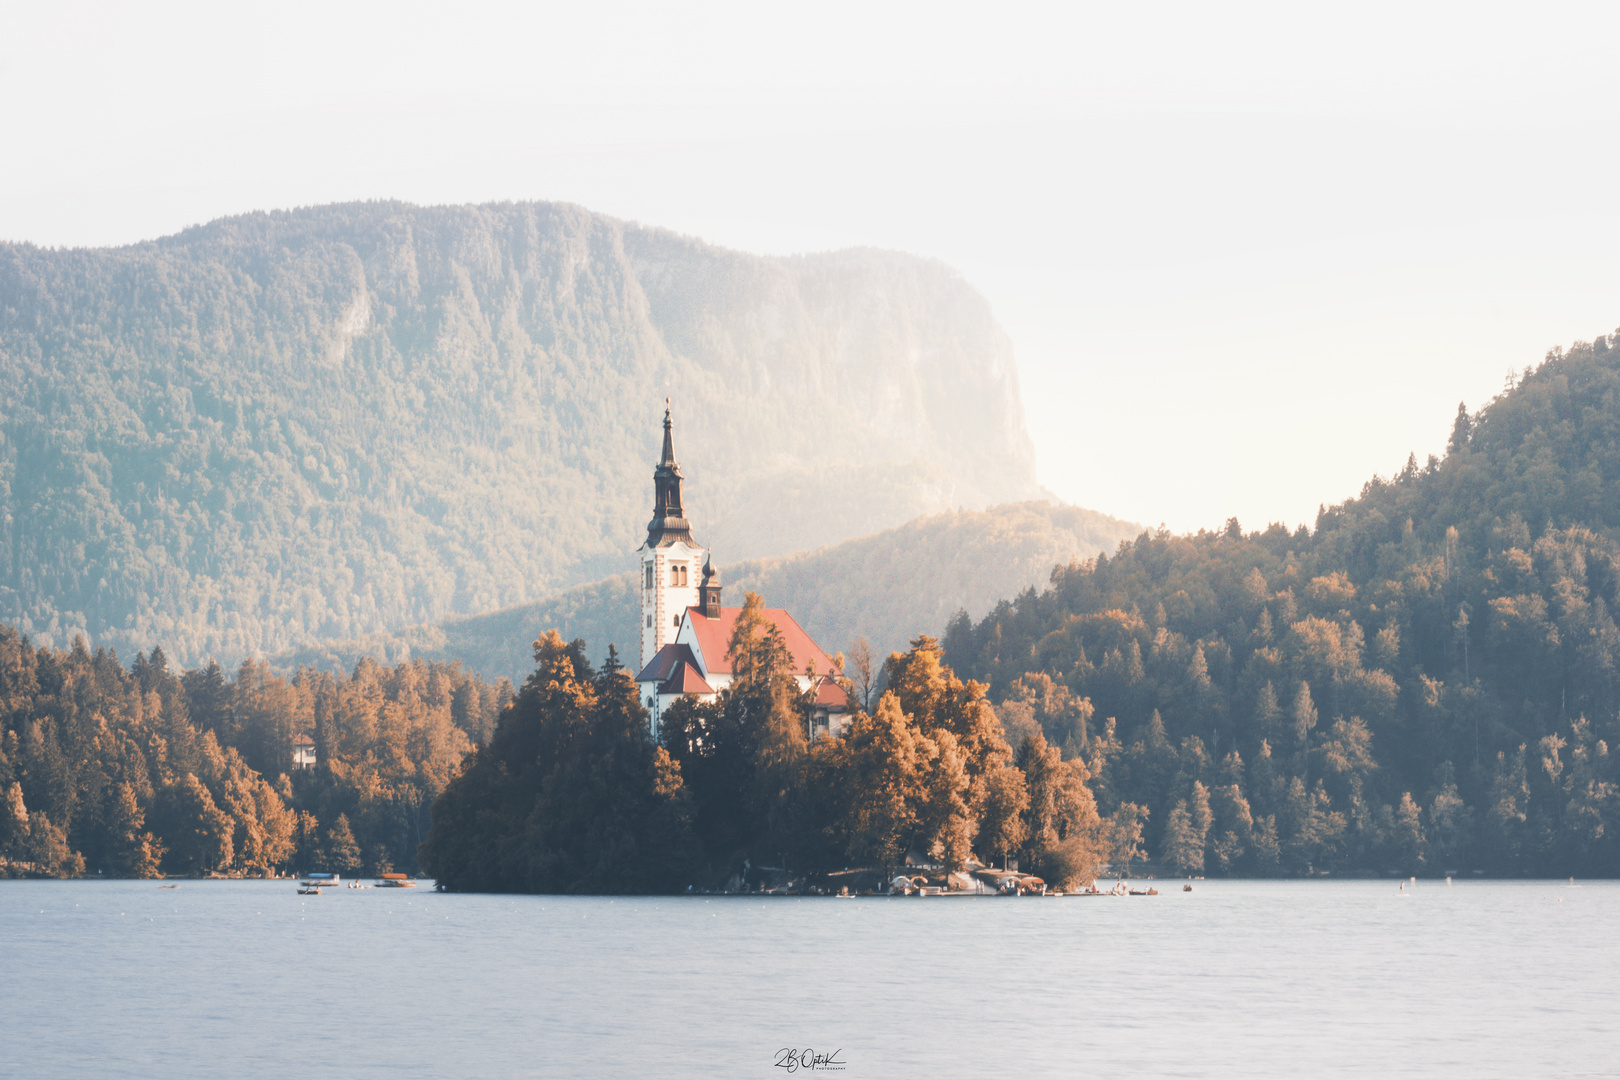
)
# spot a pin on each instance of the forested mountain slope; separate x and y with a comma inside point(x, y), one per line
point(1427, 678)
point(888, 587)
point(328, 422)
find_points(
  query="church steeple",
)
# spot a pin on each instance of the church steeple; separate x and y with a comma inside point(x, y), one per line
point(668, 522)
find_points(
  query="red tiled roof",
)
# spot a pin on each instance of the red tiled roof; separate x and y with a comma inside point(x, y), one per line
point(685, 680)
point(831, 696)
point(664, 662)
point(303, 740)
point(714, 637)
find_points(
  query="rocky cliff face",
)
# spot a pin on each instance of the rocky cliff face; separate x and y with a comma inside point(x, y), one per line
point(327, 422)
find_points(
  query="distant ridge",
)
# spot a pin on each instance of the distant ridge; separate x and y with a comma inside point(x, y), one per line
point(327, 422)
point(890, 587)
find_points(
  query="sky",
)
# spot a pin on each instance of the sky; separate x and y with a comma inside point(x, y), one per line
point(1249, 255)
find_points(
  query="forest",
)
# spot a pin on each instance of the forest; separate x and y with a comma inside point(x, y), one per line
point(337, 421)
point(150, 771)
point(1424, 682)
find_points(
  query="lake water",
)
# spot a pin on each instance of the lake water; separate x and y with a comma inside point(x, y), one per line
point(1237, 978)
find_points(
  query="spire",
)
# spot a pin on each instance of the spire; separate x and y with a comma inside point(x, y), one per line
point(669, 439)
point(668, 522)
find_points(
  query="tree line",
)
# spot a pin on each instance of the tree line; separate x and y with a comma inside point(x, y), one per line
point(146, 770)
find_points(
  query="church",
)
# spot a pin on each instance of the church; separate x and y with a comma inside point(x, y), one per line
point(685, 631)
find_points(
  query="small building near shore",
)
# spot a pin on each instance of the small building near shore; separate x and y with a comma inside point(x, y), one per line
point(303, 752)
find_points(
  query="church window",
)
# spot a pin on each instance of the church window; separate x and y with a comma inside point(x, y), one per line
point(677, 621)
point(649, 622)
point(649, 575)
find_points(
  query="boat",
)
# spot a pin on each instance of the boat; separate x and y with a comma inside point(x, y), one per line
point(395, 881)
point(309, 889)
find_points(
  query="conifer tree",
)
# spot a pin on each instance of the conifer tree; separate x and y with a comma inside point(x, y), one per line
point(1183, 848)
point(339, 853)
point(134, 851)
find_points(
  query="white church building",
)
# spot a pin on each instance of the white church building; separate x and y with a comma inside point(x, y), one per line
point(685, 632)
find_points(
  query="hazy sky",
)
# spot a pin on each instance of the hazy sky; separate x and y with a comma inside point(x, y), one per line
point(1248, 254)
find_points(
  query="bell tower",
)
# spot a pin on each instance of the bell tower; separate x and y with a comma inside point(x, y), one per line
point(672, 563)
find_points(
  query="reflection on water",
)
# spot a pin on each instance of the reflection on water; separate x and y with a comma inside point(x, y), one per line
point(1243, 979)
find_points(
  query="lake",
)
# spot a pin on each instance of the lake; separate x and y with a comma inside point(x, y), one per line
point(1237, 978)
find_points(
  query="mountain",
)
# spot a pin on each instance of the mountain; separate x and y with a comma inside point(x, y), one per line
point(1428, 679)
point(888, 587)
point(329, 422)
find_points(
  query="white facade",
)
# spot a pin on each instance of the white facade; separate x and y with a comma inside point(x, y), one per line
point(670, 576)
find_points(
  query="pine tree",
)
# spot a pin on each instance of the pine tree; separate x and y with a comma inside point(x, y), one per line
point(1183, 848)
point(339, 853)
point(133, 851)
point(1303, 715)
point(197, 833)
point(1407, 841)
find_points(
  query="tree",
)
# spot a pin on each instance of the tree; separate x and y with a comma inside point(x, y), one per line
point(308, 829)
point(863, 671)
point(1002, 828)
point(1407, 841)
point(1303, 715)
point(196, 832)
point(1265, 849)
point(1183, 847)
point(884, 783)
point(338, 852)
point(1462, 430)
point(1065, 837)
point(1232, 828)
point(134, 851)
point(1123, 830)
point(930, 692)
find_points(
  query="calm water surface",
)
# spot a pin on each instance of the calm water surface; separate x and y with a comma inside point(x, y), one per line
point(1251, 979)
